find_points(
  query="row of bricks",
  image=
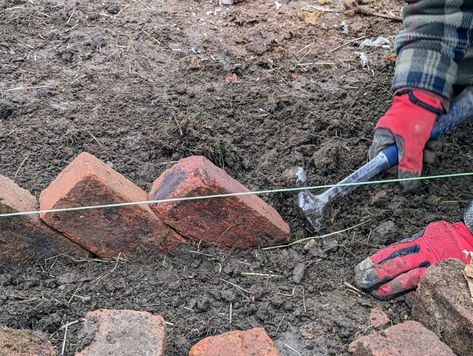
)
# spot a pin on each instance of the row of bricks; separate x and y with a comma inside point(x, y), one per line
point(240, 222)
point(126, 332)
point(442, 309)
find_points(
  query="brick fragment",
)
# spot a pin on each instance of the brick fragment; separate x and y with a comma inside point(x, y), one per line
point(105, 232)
point(409, 338)
point(27, 237)
point(125, 333)
point(253, 342)
point(378, 318)
point(443, 304)
point(16, 342)
point(241, 222)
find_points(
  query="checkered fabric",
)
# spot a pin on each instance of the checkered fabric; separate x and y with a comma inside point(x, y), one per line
point(435, 38)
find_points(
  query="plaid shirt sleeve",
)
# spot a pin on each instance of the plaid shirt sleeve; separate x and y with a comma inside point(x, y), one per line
point(434, 39)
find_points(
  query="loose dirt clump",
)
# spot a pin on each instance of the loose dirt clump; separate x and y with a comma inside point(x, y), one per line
point(256, 89)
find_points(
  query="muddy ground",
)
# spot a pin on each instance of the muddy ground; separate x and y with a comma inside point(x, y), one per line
point(254, 88)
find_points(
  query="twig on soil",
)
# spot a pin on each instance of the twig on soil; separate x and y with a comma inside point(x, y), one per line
point(74, 294)
point(306, 46)
point(315, 64)
point(29, 88)
point(303, 301)
point(70, 17)
point(109, 273)
point(154, 39)
point(236, 286)
point(363, 11)
point(315, 237)
point(279, 325)
point(231, 313)
point(178, 125)
point(165, 163)
point(201, 253)
point(346, 44)
point(64, 339)
point(291, 348)
point(95, 138)
point(353, 289)
point(259, 274)
point(21, 164)
point(324, 9)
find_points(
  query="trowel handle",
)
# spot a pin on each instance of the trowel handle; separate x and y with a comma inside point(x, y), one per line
point(460, 110)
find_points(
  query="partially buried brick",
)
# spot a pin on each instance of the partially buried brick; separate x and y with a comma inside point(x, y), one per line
point(105, 232)
point(124, 332)
point(240, 222)
point(253, 342)
point(443, 304)
point(378, 318)
point(27, 237)
point(408, 339)
point(14, 342)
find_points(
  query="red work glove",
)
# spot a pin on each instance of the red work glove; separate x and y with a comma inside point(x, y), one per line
point(397, 269)
point(408, 124)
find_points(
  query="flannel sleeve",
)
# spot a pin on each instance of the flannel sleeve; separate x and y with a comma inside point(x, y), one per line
point(434, 40)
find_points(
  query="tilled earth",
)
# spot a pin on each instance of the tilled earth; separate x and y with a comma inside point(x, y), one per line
point(255, 88)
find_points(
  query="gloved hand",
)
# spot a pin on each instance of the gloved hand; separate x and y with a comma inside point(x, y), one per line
point(408, 124)
point(397, 269)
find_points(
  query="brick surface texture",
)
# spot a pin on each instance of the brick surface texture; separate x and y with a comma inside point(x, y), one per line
point(253, 342)
point(26, 237)
point(407, 339)
point(105, 232)
point(235, 222)
point(15, 342)
point(443, 304)
point(125, 333)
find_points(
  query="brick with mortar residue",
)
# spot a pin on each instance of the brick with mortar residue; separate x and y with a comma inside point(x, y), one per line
point(240, 222)
point(253, 342)
point(443, 304)
point(105, 232)
point(124, 333)
point(409, 338)
point(22, 342)
point(27, 237)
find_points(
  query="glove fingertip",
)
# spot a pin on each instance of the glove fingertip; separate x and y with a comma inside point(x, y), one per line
point(409, 180)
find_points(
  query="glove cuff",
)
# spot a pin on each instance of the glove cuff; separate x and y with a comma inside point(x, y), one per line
point(468, 216)
point(424, 99)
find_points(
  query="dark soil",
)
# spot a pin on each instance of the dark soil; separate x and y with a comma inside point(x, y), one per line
point(141, 84)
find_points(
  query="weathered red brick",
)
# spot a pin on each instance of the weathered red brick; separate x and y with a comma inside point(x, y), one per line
point(409, 338)
point(125, 332)
point(378, 318)
point(14, 342)
point(253, 342)
point(240, 221)
point(25, 237)
point(105, 232)
point(443, 304)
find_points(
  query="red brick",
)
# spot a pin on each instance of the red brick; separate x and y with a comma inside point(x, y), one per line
point(378, 318)
point(105, 232)
point(409, 338)
point(26, 237)
point(253, 342)
point(241, 222)
point(444, 305)
point(15, 342)
point(125, 332)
